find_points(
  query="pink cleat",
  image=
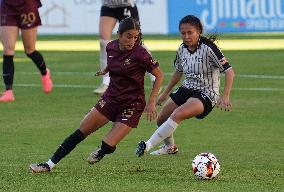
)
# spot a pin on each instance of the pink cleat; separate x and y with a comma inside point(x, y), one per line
point(46, 82)
point(7, 96)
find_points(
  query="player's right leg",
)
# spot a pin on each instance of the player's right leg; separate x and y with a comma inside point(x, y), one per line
point(64, 149)
point(9, 36)
point(106, 26)
point(92, 121)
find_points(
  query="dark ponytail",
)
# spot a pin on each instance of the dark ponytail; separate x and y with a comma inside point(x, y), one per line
point(128, 24)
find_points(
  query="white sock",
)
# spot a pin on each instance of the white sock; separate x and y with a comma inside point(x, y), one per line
point(164, 131)
point(51, 164)
point(169, 141)
point(106, 79)
point(103, 53)
point(103, 59)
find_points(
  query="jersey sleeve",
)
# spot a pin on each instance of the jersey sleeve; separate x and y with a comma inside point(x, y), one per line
point(218, 59)
point(148, 62)
point(178, 61)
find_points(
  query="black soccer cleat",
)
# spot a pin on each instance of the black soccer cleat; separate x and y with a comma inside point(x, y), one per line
point(141, 148)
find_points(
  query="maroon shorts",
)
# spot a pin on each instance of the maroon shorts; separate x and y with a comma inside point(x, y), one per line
point(24, 17)
point(128, 115)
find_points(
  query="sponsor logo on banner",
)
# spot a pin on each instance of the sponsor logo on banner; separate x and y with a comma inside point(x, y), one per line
point(231, 15)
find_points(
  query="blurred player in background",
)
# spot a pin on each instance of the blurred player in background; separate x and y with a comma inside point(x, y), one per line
point(112, 11)
point(20, 15)
point(124, 100)
point(201, 62)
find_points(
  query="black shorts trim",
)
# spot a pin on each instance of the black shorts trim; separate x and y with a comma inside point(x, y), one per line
point(182, 94)
point(120, 13)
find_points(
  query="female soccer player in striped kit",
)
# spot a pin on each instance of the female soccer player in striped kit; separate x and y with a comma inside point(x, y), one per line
point(20, 15)
point(201, 62)
point(122, 103)
point(112, 11)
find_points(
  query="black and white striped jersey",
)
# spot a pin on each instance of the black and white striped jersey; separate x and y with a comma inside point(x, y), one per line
point(202, 67)
point(118, 3)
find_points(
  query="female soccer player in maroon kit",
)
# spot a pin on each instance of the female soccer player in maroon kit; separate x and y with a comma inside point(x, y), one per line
point(123, 102)
point(20, 15)
point(112, 11)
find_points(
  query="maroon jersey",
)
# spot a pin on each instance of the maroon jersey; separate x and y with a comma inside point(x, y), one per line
point(127, 70)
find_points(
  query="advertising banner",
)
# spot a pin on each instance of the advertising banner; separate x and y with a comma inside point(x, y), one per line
point(82, 16)
point(223, 16)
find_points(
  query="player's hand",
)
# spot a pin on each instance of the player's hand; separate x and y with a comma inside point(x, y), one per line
point(224, 103)
point(151, 112)
point(98, 73)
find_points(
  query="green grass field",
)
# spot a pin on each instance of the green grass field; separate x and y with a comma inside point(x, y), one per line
point(248, 141)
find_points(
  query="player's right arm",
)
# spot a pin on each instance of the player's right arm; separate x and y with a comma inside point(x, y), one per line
point(175, 78)
point(173, 81)
point(102, 72)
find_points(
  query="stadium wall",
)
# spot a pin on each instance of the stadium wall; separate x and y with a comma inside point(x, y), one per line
point(82, 16)
point(162, 16)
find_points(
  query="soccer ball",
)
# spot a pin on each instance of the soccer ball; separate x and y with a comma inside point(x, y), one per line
point(205, 166)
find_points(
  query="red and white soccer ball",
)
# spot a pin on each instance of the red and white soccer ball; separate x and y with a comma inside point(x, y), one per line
point(205, 166)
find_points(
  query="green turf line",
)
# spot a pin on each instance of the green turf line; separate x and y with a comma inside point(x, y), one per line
point(158, 45)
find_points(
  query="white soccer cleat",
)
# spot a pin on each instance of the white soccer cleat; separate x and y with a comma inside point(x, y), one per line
point(164, 149)
point(39, 168)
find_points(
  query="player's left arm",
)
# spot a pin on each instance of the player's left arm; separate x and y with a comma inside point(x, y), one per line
point(151, 106)
point(222, 63)
point(224, 101)
point(152, 66)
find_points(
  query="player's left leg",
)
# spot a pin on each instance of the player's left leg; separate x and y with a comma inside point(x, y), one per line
point(114, 136)
point(92, 122)
point(29, 41)
point(169, 147)
point(193, 107)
